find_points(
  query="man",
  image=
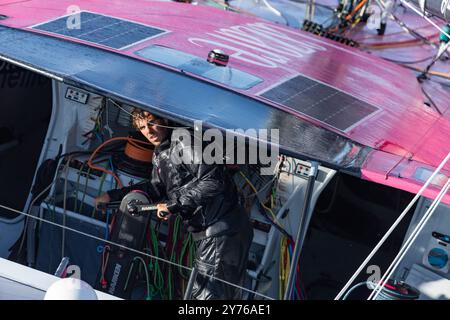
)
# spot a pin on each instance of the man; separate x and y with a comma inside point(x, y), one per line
point(206, 198)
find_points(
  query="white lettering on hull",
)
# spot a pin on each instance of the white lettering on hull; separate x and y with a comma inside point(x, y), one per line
point(260, 44)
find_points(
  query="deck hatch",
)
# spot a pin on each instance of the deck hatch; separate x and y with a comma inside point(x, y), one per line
point(199, 66)
point(320, 101)
point(100, 29)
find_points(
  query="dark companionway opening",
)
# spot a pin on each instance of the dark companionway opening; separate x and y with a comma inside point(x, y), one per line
point(25, 111)
point(350, 217)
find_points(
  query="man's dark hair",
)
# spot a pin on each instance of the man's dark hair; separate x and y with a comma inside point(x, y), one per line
point(138, 113)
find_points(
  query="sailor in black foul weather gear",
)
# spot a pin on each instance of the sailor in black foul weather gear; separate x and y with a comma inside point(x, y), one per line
point(206, 198)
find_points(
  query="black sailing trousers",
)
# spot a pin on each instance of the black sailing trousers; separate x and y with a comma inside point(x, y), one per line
point(225, 257)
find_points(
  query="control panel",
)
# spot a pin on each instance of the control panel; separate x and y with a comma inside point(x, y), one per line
point(437, 253)
point(77, 95)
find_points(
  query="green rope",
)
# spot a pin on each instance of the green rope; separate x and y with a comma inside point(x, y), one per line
point(158, 277)
point(170, 289)
point(147, 278)
point(149, 291)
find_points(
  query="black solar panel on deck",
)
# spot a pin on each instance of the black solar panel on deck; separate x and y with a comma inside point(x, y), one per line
point(320, 102)
point(107, 31)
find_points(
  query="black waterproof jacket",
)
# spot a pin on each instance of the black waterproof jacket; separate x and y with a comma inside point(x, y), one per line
point(204, 195)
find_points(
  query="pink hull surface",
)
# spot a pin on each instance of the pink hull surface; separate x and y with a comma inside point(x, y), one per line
point(405, 133)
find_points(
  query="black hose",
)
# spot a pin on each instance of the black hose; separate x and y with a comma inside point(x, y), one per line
point(431, 101)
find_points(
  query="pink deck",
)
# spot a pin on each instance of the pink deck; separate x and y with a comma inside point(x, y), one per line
point(403, 128)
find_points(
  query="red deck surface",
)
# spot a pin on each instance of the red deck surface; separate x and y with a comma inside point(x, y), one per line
point(405, 133)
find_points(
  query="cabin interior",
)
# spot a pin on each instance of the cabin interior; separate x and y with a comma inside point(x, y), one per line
point(26, 106)
point(44, 118)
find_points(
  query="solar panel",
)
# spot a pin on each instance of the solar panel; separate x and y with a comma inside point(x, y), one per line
point(320, 101)
point(102, 30)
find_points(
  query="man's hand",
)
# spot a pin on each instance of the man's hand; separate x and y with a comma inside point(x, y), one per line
point(163, 212)
point(104, 198)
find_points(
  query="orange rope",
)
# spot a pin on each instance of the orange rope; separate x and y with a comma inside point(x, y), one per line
point(388, 45)
point(349, 16)
point(440, 74)
point(91, 158)
point(433, 73)
point(137, 152)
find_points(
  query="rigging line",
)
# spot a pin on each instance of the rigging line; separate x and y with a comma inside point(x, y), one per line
point(409, 62)
point(242, 11)
point(408, 30)
point(393, 45)
point(404, 249)
point(441, 51)
point(66, 175)
point(424, 16)
point(355, 9)
point(391, 229)
point(445, 5)
point(15, 2)
point(411, 31)
point(431, 100)
point(29, 209)
point(271, 8)
point(354, 288)
point(431, 72)
point(37, 198)
point(409, 154)
point(375, 36)
point(131, 249)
